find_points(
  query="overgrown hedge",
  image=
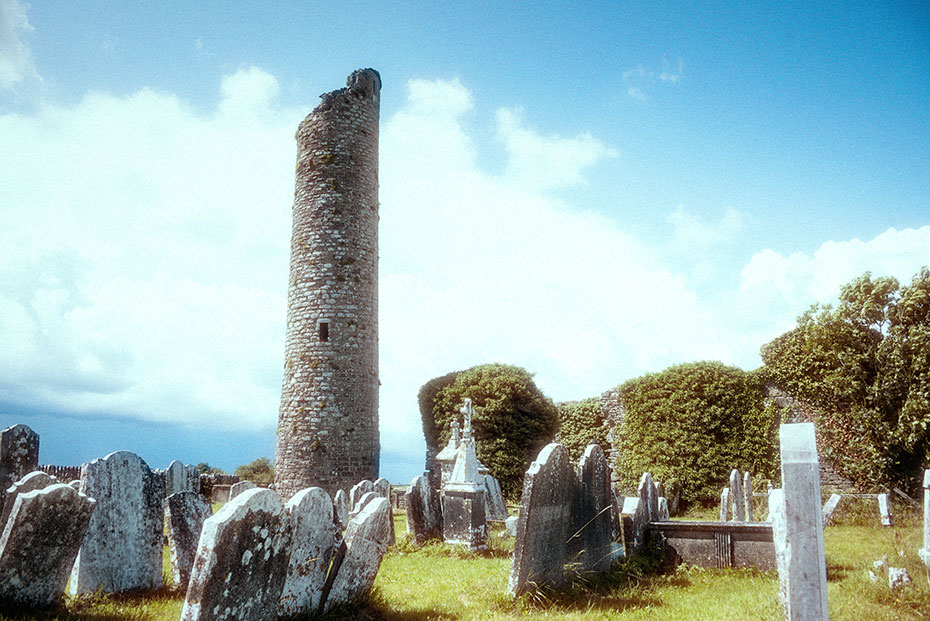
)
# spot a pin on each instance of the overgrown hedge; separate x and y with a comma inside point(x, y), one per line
point(513, 419)
point(581, 423)
point(692, 424)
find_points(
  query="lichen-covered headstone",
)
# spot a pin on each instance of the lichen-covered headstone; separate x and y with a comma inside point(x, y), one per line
point(596, 501)
point(181, 478)
point(545, 516)
point(383, 487)
point(424, 510)
point(494, 503)
point(238, 488)
point(642, 512)
point(884, 509)
point(185, 513)
point(122, 550)
point(736, 496)
point(663, 510)
point(725, 505)
point(39, 544)
point(366, 539)
point(19, 454)
point(313, 534)
point(358, 490)
point(30, 482)
point(366, 498)
point(241, 561)
point(341, 507)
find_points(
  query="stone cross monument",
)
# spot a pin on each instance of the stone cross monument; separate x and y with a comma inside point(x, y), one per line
point(328, 422)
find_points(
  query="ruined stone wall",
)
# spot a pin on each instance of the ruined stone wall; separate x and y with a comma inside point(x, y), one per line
point(612, 408)
point(328, 422)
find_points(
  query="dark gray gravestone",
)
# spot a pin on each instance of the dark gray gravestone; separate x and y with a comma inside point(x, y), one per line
point(596, 504)
point(424, 510)
point(545, 518)
point(241, 561)
point(494, 499)
point(19, 454)
point(185, 513)
point(366, 540)
point(122, 549)
point(39, 544)
point(30, 482)
point(313, 535)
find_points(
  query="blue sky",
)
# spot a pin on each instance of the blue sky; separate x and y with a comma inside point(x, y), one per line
point(591, 194)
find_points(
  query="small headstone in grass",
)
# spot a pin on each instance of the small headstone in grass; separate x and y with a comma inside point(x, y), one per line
point(383, 487)
point(884, 508)
point(725, 505)
point(341, 507)
point(241, 561)
point(748, 502)
point(185, 513)
point(898, 577)
point(122, 549)
point(925, 551)
point(830, 508)
point(424, 511)
point(313, 534)
point(358, 490)
point(736, 497)
point(545, 517)
point(494, 499)
point(797, 526)
point(594, 530)
point(30, 482)
point(366, 541)
point(238, 488)
point(510, 524)
point(39, 544)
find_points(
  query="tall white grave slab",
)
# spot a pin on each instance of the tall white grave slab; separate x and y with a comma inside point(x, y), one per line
point(925, 551)
point(798, 526)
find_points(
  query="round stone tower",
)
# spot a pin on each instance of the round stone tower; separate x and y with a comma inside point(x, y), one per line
point(328, 422)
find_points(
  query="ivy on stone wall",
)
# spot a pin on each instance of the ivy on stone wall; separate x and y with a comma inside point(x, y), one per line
point(691, 424)
point(864, 366)
point(581, 423)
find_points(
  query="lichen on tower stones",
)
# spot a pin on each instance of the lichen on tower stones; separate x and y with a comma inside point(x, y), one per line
point(328, 422)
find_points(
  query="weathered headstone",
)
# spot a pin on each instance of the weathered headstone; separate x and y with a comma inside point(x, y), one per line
point(798, 527)
point(122, 549)
point(641, 513)
point(238, 488)
point(341, 507)
point(313, 533)
point(545, 516)
point(30, 482)
point(185, 513)
point(383, 487)
point(241, 561)
point(924, 552)
point(366, 541)
point(663, 510)
point(358, 490)
point(884, 508)
point(748, 501)
point(39, 544)
point(725, 505)
point(596, 500)
point(181, 478)
point(424, 510)
point(652, 495)
point(511, 524)
point(19, 454)
point(464, 518)
point(736, 496)
point(827, 513)
point(494, 503)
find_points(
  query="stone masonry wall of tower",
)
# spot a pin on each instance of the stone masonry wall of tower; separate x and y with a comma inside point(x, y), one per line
point(328, 422)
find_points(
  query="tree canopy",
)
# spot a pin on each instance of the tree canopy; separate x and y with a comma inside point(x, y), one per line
point(513, 420)
point(864, 366)
point(260, 470)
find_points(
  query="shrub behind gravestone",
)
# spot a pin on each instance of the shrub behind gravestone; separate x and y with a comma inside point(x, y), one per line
point(693, 423)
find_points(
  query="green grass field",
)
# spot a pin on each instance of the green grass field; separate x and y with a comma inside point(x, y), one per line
point(441, 582)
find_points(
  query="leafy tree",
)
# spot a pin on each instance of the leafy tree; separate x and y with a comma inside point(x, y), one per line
point(206, 468)
point(580, 424)
point(260, 470)
point(865, 368)
point(513, 420)
point(692, 424)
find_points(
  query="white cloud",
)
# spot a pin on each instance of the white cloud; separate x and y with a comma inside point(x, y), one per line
point(16, 62)
point(641, 80)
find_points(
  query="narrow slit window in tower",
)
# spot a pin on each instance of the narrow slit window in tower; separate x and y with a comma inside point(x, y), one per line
point(324, 331)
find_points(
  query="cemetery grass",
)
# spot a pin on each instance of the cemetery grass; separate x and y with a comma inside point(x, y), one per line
point(443, 582)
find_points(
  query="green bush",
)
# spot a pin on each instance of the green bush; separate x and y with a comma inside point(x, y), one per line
point(580, 424)
point(513, 420)
point(864, 366)
point(260, 470)
point(692, 424)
